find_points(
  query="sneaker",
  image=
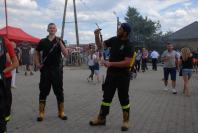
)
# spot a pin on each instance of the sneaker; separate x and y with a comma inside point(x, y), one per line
point(88, 79)
point(31, 73)
point(135, 75)
point(96, 82)
point(174, 91)
point(166, 89)
point(13, 87)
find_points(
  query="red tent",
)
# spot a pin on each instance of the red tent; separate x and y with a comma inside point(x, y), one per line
point(17, 34)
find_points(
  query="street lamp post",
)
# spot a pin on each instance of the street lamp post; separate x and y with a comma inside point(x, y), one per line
point(118, 21)
point(6, 15)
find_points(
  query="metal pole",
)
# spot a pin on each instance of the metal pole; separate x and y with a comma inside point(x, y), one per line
point(6, 15)
point(118, 23)
point(76, 24)
point(117, 19)
point(63, 23)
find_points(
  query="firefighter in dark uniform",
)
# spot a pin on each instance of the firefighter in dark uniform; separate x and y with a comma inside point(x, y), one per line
point(51, 69)
point(118, 76)
point(6, 55)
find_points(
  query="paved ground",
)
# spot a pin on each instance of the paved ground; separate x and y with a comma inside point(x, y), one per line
point(153, 110)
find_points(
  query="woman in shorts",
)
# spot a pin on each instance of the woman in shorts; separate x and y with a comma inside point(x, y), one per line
point(187, 68)
point(97, 67)
point(91, 63)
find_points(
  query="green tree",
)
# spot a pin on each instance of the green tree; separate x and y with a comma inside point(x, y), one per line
point(144, 30)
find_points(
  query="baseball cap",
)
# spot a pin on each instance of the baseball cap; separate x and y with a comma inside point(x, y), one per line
point(126, 27)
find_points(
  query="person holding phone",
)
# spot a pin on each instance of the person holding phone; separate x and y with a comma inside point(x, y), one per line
point(118, 75)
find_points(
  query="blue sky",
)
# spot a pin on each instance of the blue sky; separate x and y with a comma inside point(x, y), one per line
point(34, 15)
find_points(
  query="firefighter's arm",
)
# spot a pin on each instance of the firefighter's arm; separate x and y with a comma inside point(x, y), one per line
point(14, 63)
point(37, 59)
point(98, 39)
point(64, 50)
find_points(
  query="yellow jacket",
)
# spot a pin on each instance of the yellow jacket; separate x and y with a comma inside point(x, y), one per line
point(132, 61)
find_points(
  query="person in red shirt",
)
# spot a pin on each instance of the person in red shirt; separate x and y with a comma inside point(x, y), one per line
point(10, 64)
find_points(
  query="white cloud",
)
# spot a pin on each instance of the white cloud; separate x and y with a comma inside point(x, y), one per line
point(27, 4)
point(31, 16)
point(179, 18)
point(172, 14)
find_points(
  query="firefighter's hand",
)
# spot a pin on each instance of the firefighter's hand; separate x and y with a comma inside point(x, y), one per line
point(97, 31)
point(107, 64)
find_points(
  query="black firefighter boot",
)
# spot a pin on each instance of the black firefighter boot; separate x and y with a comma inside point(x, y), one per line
point(125, 125)
point(61, 113)
point(41, 110)
point(100, 120)
point(3, 125)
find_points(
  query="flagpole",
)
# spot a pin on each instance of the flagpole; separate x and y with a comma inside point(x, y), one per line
point(6, 15)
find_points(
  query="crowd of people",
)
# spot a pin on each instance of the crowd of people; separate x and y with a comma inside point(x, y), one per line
point(117, 54)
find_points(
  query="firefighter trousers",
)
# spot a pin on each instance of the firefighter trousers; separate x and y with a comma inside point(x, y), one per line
point(52, 76)
point(121, 83)
point(2, 107)
point(8, 97)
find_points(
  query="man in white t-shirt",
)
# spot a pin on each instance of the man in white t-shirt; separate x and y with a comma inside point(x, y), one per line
point(154, 57)
point(170, 59)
